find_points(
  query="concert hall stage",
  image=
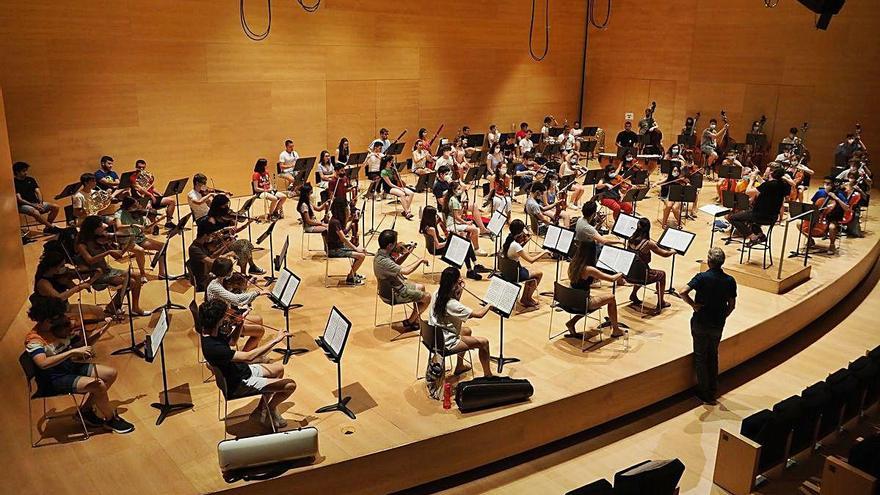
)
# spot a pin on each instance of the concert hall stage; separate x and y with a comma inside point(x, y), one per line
point(401, 438)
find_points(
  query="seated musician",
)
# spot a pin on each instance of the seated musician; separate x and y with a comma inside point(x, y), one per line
point(231, 288)
point(800, 176)
point(337, 242)
point(391, 275)
point(239, 372)
point(626, 139)
point(145, 188)
point(523, 131)
point(373, 166)
point(525, 143)
point(261, 185)
point(526, 170)
point(493, 137)
point(340, 185)
point(30, 199)
point(441, 185)
point(582, 272)
point(834, 208)
point(768, 200)
point(82, 199)
point(307, 211)
point(566, 142)
point(792, 137)
point(106, 177)
point(730, 160)
point(548, 123)
point(674, 153)
point(54, 279)
point(538, 212)
point(495, 158)
point(641, 243)
point(501, 183)
point(847, 148)
point(384, 134)
point(325, 166)
point(343, 151)
point(286, 163)
point(459, 157)
point(131, 221)
point(508, 147)
point(92, 246)
point(447, 314)
point(56, 348)
point(199, 197)
point(219, 218)
point(709, 143)
point(674, 207)
point(609, 190)
point(393, 185)
point(585, 227)
point(422, 161)
point(552, 199)
point(444, 159)
point(433, 228)
point(455, 220)
point(514, 249)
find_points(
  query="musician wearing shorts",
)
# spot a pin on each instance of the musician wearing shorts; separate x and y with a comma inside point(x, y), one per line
point(30, 199)
point(391, 277)
point(262, 187)
point(220, 217)
point(143, 184)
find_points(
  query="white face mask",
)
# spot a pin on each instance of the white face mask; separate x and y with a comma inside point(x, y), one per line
point(612, 175)
point(711, 126)
point(503, 170)
point(675, 173)
point(629, 158)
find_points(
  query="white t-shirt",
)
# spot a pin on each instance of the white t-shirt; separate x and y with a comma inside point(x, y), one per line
point(566, 142)
point(514, 250)
point(373, 162)
point(444, 161)
point(525, 145)
point(456, 314)
point(198, 210)
point(79, 200)
point(288, 160)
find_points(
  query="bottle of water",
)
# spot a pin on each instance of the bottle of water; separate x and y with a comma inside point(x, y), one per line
point(447, 395)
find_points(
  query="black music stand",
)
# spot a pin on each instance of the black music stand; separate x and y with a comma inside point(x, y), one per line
point(794, 209)
point(174, 188)
point(627, 268)
point(734, 172)
point(268, 233)
point(559, 241)
point(245, 211)
point(181, 225)
point(333, 344)
point(756, 141)
point(689, 140)
point(134, 347)
point(783, 147)
point(154, 342)
point(457, 257)
point(281, 260)
point(162, 255)
point(592, 177)
point(473, 140)
point(426, 182)
point(496, 227)
point(502, 313)
point(282, 298)
point(69, 190)
point(395, 149)
point(683, 194)
point(635, 195)
point(474, 174)
point(301, 170)
point(679, 241)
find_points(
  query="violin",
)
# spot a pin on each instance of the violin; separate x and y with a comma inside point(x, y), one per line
point(401, 251)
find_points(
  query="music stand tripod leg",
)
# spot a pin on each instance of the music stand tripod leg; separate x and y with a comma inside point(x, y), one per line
point(165, 406)
point(287, 352)
point(500, 357)
point(342, 402)
point(134, 347)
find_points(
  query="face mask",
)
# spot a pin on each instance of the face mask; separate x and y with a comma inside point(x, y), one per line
point(674, 151)
point(711, 126)
point(503, 171)
point(612, 175)
point(629, 158)
point(675, 173)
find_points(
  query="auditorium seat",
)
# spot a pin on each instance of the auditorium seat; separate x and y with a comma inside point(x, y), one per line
point(819, 409)
point(793, 411)
point(771, 431)
point(649, 478)
point(867, 372)
point(844, 391)
point(598, 487)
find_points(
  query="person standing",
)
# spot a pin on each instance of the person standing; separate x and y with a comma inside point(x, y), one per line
point(715, 299)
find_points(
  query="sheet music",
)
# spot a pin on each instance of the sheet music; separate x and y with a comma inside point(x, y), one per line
point(714, 210)
point(336, 332)
point(502, 294)
point(615, 259)
point(456, 250)
point(278, 289)
point(158, 334)
point(675, 239)
point(496, 223)
point(552, 237)
point(566, 237)
point(625, 225)
point(289, 290)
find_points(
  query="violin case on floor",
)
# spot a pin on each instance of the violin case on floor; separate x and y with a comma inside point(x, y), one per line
point(486, 392)
point(252, 458)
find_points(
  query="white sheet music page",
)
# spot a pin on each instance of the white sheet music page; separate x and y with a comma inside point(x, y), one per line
point(714, 210)
point(456, 250)
point(336, 331)
point(566, 237)
point(625, 225)
point(552, 237)
point(289, 290)
point(496, 223)
point(502, 294)
point(278, 289)
point(678, 240)
point(615, 259)
point(158, 333)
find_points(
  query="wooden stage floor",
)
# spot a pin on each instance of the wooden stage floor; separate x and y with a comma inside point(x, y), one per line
point(401, 437)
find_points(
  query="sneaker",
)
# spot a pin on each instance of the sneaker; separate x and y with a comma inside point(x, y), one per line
point(118, 425)
point(471, 274)
point(481, 269)
point(170, 225)
point(353, 281)
point(254, 269)
point(91, 419)
point(480, 252)
point(360, 278)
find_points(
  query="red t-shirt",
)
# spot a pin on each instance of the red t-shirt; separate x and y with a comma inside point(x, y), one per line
point(520, 134)
point(262, 180)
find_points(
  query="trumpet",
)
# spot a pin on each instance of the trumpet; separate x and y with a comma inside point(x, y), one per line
point(97, 201)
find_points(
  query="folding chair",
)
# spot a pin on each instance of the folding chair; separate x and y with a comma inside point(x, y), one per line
point(573, 302)
point(223, 393)
point(432, 340)
point(385, 293)
point(30, 372)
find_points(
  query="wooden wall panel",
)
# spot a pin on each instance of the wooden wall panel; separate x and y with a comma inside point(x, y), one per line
point(13, 290)
point(177, 82)
point(742, 57)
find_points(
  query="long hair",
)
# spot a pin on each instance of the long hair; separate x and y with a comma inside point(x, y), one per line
point(516, 228)
point(305, 196)
point(448, 281)
point(342, 149)
point(88, 229)
point(643, 232)
point(48, 261)
point(321, 158)
point(260, 166)
point(219, 206)
point(429, 219)
point(584, 255)
point(447, 208)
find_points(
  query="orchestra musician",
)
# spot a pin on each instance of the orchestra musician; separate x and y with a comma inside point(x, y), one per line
point(835, 205)
point(339, 185)
point(566, 142)
point(200, 196)
point(441, 185)
point(221, 218)
point(792, 137)
point(343, 151)
point(800, 176)
point(306, 211)
point(514, 249)
point(709, 143)
point(768, 200)
point(53, 279)
point(231, 288)
point(83, 200)
point(107, 179)
point(325, 166)
point(585, 227)
point(455, 221)
point(143, 184)
point(674, 177)
point(286, 162)
point(641, 243)
point(548, 123)
point(444, 158)
point(846, 149)
point(526, 169)
point(608, 190)
point(526, 144)
point(391, 275)
point(436, 235)
point(447, 314)
point(501, 183)
point(688, 128)
point(422, 161)
point(30, 199)
point(459, 158)
point(392, 184)
point(495, 158)
point(493, 137)
point(261, 186)
point(382, 140)
point(92, 247)
point(626, 140)
point(508, 147)
point(338, 245)
point(536, 210)
point(730, 160)
point(373, 166)
point(131, 221)
point(522, 132)
point(582, 272)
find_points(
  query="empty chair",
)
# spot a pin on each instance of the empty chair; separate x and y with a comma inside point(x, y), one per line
point(865, 455)
point(792, 411)
point(819, 408)
point(598, 487)
point(649, 478)
point(844, 392)
point(867, 372)
point(770, 431)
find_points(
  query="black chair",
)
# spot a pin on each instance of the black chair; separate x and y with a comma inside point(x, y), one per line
point(867, 372)
point(865, 455)
point(386, 294)
point(770, 431)
point(649, 477)
point(766, 246)
point(638, 276)
point(223, 391)
point(598, 487)
point(432, 340)
point(573, 302)
point(792, 411)
point(30, 373)
point(509, 269)
point(844, 392)
point(821, 410)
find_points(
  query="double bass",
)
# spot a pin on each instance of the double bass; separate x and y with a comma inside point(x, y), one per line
point(652, 131)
